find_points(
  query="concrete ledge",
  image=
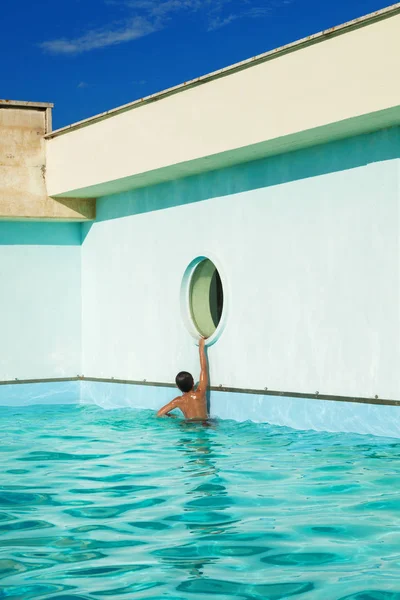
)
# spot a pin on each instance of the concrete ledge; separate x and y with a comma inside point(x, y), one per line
point(245, 64)
point(24, 104)
point(46, 208)
point(333, 132)
point(343, 86)
point(23, 191)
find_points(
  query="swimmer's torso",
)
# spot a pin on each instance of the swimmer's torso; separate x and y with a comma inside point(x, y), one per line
point(193, 405)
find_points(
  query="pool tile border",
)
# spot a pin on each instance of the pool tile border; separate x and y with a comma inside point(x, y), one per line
point(227, 389)
point(368, 416)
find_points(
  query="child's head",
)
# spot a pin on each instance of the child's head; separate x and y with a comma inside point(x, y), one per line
point(184, 381)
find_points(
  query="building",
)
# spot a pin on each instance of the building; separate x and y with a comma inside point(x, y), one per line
point(284, 172)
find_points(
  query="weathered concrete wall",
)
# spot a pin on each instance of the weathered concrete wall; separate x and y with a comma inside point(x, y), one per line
point(23, 193)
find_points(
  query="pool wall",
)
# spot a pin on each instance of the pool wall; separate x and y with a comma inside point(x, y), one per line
point(298, 413)
point(41, 392)
point(308, 246)
point(40, 300)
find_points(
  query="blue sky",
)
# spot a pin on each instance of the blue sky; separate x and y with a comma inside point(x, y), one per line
point(88, 56)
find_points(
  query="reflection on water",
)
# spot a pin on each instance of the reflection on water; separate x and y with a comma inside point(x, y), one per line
point(121, 504)
point(204, 507)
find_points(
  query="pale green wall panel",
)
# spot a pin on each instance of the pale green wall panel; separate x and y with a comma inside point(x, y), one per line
point(40, 300)
point(308, 247)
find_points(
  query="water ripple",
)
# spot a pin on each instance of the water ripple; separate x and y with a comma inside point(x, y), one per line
point(302, 559)
point(24, 525)
point(119, 504)
point(16, 592)
point(24, 499)
point(248, 591)
point(63, 456)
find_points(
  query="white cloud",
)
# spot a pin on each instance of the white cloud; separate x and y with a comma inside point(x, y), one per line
point(157, 8)
point(218, 22)
point(100, 38)
point(147, 16)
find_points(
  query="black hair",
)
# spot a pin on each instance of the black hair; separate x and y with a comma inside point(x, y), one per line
point(184, 381)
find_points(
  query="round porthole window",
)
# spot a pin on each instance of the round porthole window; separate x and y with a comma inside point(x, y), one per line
point(203, 299)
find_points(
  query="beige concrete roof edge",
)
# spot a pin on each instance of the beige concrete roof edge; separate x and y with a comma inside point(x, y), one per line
point(293, 46)
point(23, 104)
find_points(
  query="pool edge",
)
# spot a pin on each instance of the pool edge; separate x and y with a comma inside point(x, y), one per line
point(318, 412)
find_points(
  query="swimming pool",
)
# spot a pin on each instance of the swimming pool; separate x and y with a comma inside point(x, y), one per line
point(119, 504)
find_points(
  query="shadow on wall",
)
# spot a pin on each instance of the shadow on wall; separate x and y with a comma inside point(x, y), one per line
point(28, 233)
point(276, 170)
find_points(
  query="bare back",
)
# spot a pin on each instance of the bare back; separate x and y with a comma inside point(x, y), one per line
point(193, 404)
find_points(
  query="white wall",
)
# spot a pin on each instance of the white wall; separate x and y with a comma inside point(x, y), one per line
point(312, 271)
point(40, 300)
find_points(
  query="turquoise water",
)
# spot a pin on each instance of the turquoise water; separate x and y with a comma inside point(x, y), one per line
point(101, 504)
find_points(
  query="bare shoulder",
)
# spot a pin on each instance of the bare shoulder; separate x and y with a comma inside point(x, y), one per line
point(177, 401)
point(200, 393)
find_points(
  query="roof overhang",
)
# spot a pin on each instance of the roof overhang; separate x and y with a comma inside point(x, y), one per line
point(336, 84)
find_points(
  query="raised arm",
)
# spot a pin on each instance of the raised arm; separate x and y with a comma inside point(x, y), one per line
point(168, 407)
point(203, 382)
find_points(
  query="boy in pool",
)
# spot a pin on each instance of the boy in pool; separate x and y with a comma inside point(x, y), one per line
point(192, 403)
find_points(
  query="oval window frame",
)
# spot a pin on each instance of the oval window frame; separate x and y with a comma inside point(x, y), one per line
point(186, 309)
